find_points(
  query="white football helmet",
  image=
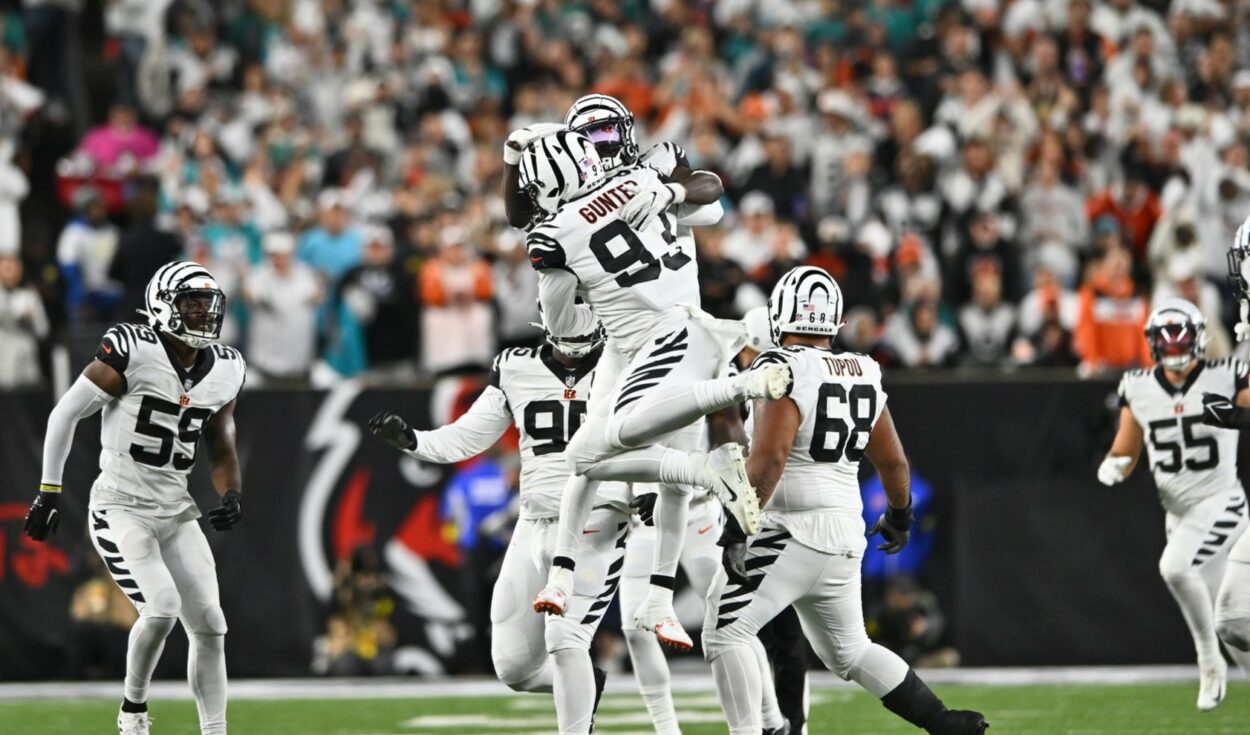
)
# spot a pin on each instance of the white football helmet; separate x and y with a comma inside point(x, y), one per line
point(184, 301)
point(1239, 276)
point(1177, 333)
point(609, 124)
point(805, 301)
point(759, 330)
point(556, 168)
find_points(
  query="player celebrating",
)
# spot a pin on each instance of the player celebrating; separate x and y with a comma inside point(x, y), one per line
point(160, 387)
point(1194, 467)
point(544, 392)
point(662, 357)
point(805, 454)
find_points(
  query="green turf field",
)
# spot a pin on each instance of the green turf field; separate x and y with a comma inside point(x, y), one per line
point(1033, 710)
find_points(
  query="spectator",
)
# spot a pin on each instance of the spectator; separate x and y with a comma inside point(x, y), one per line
point(13, 189)
point(753, 245)
point(456, 288)
point(102, 617)
point(121, 143)
point(283, 295)
point(1111, 317)
point(23, 326)
point(838, 138)
point(142, 250)
point(1055, 228)
point(723, 286)
point(780, 179)
point(516, 292)
point(378, 293)
point(335, 246)
point(987, 323)
point(919, 339)
point(85, 253)
point(361, 637)
point(1133, 205)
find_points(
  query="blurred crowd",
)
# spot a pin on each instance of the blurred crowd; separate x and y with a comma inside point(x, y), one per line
point(993, 183)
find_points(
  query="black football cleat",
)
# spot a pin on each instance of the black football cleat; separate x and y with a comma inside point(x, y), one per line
point(959, 722)
point(601, 679)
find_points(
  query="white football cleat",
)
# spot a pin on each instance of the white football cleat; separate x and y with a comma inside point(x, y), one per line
point(551, 600)
point(771, 382)
point(727, 472)
point(1212, 684)
point(133, 723)
point(660, 619)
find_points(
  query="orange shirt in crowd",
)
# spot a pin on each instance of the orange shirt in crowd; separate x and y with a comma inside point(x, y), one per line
point(441, 283)
point(1136, 222)
point(1110, 324)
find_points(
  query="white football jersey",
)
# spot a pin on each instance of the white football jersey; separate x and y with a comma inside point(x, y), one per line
point(634, 281)
point(546, 401)
point(150, 435)
point(1190, 460)
point(839, 397)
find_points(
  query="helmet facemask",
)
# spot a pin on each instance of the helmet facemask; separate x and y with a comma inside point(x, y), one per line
point(1176, 344)
point(614, 141)
point(197, 316)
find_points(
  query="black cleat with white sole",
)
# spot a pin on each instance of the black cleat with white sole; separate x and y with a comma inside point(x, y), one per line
point(601, 680)
point(959, 722)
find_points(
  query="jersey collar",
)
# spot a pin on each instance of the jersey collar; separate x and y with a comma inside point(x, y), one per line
point(570, 376)
point(1173, 390)
point(189, 378)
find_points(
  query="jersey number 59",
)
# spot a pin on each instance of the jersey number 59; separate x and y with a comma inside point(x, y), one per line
point(188, 432)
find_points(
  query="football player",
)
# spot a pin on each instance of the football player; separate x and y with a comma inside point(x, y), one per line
point(1194, 468)
point(161, 387)
point(543, 391)
point(660, 364)
point(804, 462)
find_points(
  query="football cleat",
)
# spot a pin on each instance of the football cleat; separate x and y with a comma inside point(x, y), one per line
point(601, 679)
point(771, 382)
point(551, 600)
point(1212, 685)
point(133, 723)
point(959, 722)
point(726, 469)
point(660, 619)
point(783, 730)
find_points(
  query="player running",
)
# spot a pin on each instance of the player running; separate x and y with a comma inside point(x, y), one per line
point(1194, 467)
point(160, 386)
point(661, 358)
point(543, 391)
point(804, 462)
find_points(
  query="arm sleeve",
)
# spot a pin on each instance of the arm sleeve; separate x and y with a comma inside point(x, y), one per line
point(471, 434)
point(695, 215)
point(557, 294)
point(83, 399)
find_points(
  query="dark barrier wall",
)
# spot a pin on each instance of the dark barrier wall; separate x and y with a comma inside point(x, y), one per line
point(1036, 563)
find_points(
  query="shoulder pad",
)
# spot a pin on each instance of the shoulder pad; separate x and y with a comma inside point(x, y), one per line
point(545, 251)
point(775, 356)
point(121, 342)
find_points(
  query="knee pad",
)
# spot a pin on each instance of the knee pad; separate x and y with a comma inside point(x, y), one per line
point(208, 621)
point(1174, 573)
point(563, 634)
point(1234, 631)
point(515, 667)
point(847, 656)
point(163, 602)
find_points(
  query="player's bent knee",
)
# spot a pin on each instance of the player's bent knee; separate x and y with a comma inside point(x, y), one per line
point(163, 603)
point(585, 451)
point(1175, 574)
point(516, 671)
point(212, 621)
point(1234, 631)
point(847, 657)
point(563, 634)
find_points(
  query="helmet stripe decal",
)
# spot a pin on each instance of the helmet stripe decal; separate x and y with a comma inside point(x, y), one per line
point(555, 166)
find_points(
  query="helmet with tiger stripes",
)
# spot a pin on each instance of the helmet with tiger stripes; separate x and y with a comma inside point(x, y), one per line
point(557, 167)
point(609, 124)
point(184, 301)
point(805, 301)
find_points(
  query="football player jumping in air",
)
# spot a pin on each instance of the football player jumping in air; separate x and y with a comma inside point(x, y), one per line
point(663, 355)
point(1194, 468)
point(804, 462)
point(160, 386)
point(543, 392)
point(1231, 410)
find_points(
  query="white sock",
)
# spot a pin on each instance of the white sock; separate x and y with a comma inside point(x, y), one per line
point(575, 507)
point(654, 680)
point(574, 690)
point(737, 676)
point(770, 712)
point(147, 640)
point(683, 468)
point(206, 672)
point(1191, 593)
point(672, 513)
point(879, 670)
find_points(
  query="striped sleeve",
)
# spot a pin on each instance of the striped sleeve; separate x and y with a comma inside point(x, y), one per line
point(773, 357)
point(115, 348)
point(545, 251)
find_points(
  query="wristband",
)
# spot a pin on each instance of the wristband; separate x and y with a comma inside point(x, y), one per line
point(679, 193)
point(899, 517)
point(47, 488)
point(511, 156)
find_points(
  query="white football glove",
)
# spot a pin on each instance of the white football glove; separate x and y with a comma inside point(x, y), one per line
point(1242, 327)
point(518, 139)
point(1112, 470)
point(648, 203)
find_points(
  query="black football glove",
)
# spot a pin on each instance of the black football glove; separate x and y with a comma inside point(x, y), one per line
point(43, 517)
point(733, 542)
point(393, 430)
point(894, 525)
point(230, 512)
point(1221, 412)
point(644, 506)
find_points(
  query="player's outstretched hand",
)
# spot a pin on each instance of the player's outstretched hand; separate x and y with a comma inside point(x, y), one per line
point(1113, 470)
point(894, 525)
point(518, 139)
point(229, 513)
point(43, 517)
point(644, 506)
point(393, 430)
point(1218, 410)
point(650, 202)
point(733, 542)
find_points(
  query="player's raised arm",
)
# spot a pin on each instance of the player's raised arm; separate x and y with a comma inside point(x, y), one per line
point(885, 451)
point(223, 457)
point(99, 384)
point(520, 208)
point(468, 436)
